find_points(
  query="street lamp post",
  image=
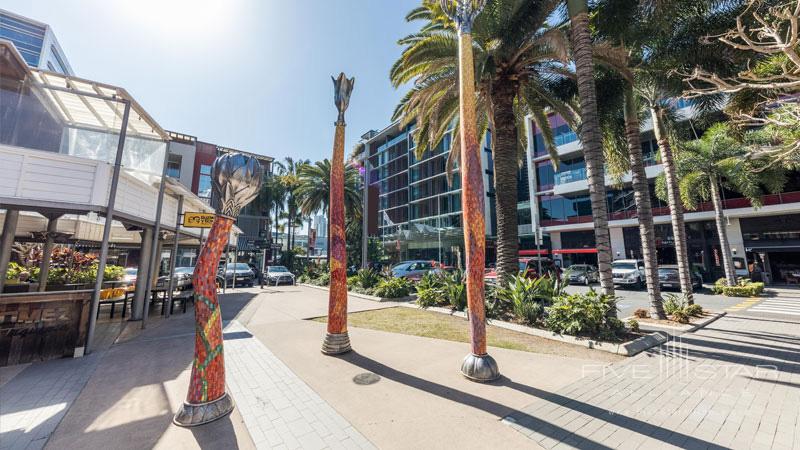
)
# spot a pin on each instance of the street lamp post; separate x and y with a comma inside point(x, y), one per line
point(236, 181)
point(337, 340)
point(478, 365)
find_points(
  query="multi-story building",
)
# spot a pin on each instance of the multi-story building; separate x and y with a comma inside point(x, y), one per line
point(190, 162)
point(767, 238)
point(413, 208)
point(35, 41)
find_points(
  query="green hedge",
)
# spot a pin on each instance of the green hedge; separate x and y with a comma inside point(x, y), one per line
point(745, 288)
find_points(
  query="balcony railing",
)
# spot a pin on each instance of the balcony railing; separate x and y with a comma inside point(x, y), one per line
point(734, 203)
point(570, 176)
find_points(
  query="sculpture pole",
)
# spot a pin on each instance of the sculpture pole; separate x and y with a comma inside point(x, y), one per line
point(337, 340)
point(236, 180)
point(478, 365)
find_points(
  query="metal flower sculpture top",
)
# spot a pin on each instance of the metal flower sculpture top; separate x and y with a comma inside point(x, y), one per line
point(236, 180)
point(342, 88)
point(463, 12)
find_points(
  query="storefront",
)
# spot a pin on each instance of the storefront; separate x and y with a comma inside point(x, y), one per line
point(772, 244)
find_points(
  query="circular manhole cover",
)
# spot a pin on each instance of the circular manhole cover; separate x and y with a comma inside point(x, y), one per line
point(366, 378)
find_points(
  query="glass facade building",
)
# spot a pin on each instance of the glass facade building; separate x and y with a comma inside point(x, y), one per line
point(35, 41)
point(414, 207)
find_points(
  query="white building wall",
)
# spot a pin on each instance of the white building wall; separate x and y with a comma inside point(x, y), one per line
point(617, 243)
point(735, 238)
point(187, 153)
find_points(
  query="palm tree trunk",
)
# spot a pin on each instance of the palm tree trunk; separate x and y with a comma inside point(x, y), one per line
point(724, 245)
point(590, 138)
point(506, 168)
point(675, 205)
point(274, 256)
point(644, 210)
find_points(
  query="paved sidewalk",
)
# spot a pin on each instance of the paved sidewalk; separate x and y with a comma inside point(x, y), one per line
point(731, 385)
point(279, 409)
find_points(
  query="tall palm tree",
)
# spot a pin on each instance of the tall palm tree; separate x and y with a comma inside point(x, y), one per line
point(289, 180)
point(717, 161)
point(591, 137)
point(518, 57)
point(314, 189)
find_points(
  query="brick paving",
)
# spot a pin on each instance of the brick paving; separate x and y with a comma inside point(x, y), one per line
point(34, 402)
point(735, 384)
point(279, 409)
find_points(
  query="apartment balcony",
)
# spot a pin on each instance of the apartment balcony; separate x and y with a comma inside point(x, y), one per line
point(574, 181)
point(771, 200)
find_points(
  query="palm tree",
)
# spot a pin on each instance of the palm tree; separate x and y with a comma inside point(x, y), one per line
point(590, 136)
point(314, 189)
point(717, 161)
point(518, 57)
point(289, 181)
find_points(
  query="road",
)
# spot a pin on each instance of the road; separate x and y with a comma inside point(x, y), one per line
point(776, 303)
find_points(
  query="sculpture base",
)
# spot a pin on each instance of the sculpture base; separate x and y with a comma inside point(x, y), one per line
point(192, 415)
point(336, 343)
point(480, 368)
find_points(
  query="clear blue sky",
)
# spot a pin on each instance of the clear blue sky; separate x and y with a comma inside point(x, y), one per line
point(247, 74)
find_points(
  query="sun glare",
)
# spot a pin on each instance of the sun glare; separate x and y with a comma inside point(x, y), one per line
point(180, 19)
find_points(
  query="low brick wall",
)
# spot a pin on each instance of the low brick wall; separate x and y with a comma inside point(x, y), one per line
point(37, 326)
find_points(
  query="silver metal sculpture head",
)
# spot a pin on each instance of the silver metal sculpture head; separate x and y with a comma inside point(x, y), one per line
point(463, 12)
point(236, 180)
point(342, 88)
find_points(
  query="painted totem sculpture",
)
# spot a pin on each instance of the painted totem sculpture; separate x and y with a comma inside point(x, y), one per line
point(337, 340)
point(478, 365)
point(236, 180)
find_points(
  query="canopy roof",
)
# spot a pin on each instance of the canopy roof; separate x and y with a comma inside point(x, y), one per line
point(78, 102)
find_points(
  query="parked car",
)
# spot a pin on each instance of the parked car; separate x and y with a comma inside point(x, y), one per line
point(240, 272)
point(279, 274)
point(629, 272)
point(583, 274)
point(529, 267)
point(668, 277)
point(183, 279)
point(413, 270)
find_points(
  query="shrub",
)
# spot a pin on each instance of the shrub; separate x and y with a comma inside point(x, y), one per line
point(584, 314)
point(527, 297)
point(367, 278)
point(719, 286)
point(743, 288)
point(694, 310)
point(454, 289)
point(14, 271)
point(674, 303)
point(323, 279)
point(428, 297)
point(393, 288)
point(681, 316)
point(430, 281)
point(641, 313)
point(633, 325)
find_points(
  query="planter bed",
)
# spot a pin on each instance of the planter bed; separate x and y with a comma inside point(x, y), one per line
point(623, 348)
point(694, 324)
point(364, 296)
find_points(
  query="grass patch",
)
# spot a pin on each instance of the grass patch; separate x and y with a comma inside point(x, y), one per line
point(418, 322)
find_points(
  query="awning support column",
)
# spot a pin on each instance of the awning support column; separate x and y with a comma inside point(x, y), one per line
point(173, 257)
point(47, 252)
point(112, 198)
point(140, 294)
point(155, 251)
point(9, 230)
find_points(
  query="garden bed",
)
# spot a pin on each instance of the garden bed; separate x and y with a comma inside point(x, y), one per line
point(373, 298)
point(633, 344)
point(695, 323)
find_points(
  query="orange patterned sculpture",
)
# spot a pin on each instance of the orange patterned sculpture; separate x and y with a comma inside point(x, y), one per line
point(478, 365)
point(236, 180)
point(337, 340)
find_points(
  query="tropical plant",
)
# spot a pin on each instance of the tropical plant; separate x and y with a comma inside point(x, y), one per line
point(454, 290)
point(584, 315)
point(519, 58)
point(14, 271)
point(591, 138)
point(714, 162)
point(313, 190)
point(393, 288)
point(367, 278)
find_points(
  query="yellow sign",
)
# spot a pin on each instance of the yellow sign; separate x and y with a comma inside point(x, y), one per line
point(198, 220)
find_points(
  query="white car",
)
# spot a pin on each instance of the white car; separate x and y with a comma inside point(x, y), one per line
point(628, 272)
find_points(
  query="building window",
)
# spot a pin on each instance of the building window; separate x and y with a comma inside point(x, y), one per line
point(204, 182)
point(174, 165)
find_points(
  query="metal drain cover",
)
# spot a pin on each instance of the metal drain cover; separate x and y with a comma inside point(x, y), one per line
point(366, 378)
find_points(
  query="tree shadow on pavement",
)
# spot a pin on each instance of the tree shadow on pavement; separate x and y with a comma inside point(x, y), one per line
point(528, 422)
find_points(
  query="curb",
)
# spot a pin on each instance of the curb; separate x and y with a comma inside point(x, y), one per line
point(629, 348)
point(364, 296)
point(685, 328)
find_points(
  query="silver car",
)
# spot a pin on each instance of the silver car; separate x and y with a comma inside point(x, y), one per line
point(279, 274)
point(585, 274)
